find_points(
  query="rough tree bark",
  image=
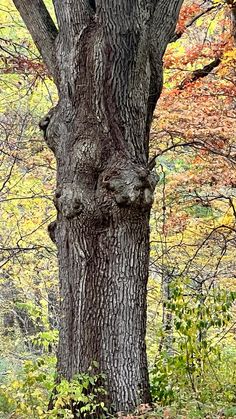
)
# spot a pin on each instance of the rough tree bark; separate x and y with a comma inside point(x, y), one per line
point(106, 60)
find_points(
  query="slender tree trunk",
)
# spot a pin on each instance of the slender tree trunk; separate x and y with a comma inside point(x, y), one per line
point(166, 342)
point(8, 323)
point(106, 59)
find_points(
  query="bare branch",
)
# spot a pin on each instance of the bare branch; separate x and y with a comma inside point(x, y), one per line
point(178, 35)
point(200, 73)
point(42, 29)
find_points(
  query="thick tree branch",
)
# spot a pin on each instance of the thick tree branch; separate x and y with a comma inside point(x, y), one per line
point(42, 29)
point(200, 73)
point(164, 21)
point(162, 28)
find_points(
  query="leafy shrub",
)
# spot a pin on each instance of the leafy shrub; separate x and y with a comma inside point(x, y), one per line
point(28, 394)
point(199, 369)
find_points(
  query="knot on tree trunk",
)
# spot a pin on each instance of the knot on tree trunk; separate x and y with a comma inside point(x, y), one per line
point(130, 184)
point(52, 230)
point(44, 126)
point(55, 124)
point(68, 200)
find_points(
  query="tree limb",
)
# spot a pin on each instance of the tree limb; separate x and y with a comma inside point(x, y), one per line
point(164, 21)
point(200, 73)
point(162, 28)
point(42, 29)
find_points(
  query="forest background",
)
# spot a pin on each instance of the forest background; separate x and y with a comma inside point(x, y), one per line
point(192, 288)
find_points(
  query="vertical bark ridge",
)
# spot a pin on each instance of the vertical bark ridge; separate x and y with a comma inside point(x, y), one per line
point(72, 17)
point(124, 52)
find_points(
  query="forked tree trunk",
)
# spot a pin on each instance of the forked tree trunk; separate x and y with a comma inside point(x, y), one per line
point(107, 62)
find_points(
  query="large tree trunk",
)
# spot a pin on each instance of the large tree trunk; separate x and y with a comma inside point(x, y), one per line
point(108, 70)
point(102, 233)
